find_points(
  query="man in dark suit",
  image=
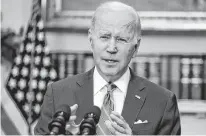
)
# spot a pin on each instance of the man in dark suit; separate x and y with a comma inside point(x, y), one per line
point(139, 106)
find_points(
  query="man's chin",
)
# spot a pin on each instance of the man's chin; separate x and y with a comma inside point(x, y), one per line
point(110, 72)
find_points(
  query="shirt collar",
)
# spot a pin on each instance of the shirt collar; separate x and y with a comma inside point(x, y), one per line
point(121, 83)
point(99, 81)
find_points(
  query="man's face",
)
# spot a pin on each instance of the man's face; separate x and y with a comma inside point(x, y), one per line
point(114, 42)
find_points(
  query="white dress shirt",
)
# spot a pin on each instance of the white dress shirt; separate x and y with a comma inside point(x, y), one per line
point(100, 90)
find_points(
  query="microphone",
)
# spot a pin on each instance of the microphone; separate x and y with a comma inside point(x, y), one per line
point(88, 125)
point(57, 125)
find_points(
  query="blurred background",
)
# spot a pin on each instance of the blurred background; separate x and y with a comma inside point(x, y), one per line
point(172, 54)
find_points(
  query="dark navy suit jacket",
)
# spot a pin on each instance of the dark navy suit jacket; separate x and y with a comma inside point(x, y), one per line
point(145, 101)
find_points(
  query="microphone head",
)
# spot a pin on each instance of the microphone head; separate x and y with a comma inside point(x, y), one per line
point(64, 110)
point(95, 113)
point(62, 115)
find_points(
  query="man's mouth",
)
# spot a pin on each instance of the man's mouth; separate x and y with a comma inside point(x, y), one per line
point(110, 60)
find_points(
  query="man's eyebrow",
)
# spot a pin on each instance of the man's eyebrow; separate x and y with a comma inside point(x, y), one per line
point(125, 37)
point(103, 31)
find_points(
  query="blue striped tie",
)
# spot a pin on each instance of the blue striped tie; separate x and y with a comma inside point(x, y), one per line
point(107, 108)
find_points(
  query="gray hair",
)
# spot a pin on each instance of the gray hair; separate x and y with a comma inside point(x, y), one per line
point(116, 5)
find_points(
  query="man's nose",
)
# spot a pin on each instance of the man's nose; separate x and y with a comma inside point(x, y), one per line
point(112, 48)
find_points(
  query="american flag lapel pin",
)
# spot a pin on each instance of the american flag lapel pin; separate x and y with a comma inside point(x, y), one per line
point(138, 97)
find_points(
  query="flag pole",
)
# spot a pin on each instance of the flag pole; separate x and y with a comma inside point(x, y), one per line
point(33, 19)
point(30, 92)
point(30, 88)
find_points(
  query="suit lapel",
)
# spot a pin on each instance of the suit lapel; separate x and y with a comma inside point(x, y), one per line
point(84, 94)
point(134, 100)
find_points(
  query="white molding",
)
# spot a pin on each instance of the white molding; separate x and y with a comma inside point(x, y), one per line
point(151, 20)
point(161, 21)
point(58, 5)
point(144, 14)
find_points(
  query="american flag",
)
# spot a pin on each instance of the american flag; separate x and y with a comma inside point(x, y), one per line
point(30, 74)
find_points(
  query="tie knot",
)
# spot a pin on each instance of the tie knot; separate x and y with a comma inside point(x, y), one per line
point(111, 87)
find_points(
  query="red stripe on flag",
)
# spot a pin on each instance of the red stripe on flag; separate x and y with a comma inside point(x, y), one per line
point(7, 124)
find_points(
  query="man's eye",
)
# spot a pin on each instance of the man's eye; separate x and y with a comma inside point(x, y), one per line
point(104, 37)
point(122, 40)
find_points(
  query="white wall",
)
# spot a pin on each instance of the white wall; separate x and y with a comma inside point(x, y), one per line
point(173, 44)
point(15, 13)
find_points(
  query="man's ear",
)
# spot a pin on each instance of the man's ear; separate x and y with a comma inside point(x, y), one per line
point(135, 51)
point(136, 48)
point(138, 42)
point(90, 36)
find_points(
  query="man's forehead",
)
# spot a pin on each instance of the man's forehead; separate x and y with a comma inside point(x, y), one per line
point(117, 18)
point(105, 27)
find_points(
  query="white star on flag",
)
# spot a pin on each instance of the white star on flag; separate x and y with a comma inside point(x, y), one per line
point(43, 73)
point(22, 83)
point(15, 71)
point(30, 96)
point(20, 96)
point(46, 61)
point(42, 85)
point(40, 36)
point(12, 83)
point(26, 108)
point(35, 72)
point(39, 48)
point(29, 47)
point(25, 71)
point(37, 108)
point(37, 60)
point(31, 36)
point(34, 84)
point(26, 59)
point(18, 60)
point(40, 24)
point(39, 96)
point(52, 74)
